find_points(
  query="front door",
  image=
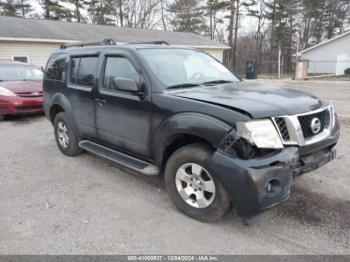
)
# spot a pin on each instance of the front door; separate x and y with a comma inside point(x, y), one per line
point(122, 118)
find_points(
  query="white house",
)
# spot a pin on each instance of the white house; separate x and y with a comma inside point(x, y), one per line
point(33, 40)
point(329, 57)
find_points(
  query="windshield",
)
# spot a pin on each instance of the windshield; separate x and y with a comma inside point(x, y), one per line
point(178, 67)
point(20, 73)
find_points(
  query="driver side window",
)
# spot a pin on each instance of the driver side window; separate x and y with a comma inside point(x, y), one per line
point(118, 66)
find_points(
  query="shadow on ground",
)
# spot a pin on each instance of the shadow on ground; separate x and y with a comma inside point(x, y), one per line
point(23, 119)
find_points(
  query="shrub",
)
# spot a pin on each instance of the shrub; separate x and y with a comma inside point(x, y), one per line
point(347, 71)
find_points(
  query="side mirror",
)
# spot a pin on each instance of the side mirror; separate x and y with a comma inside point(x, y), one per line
point(125, 84)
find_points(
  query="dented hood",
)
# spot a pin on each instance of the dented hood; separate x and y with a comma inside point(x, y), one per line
point(257, 100)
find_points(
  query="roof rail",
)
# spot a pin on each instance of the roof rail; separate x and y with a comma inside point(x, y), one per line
point(107, 41)
point(157, 42)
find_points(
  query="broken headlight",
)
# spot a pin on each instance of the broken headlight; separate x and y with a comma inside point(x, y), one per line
point(261, 133)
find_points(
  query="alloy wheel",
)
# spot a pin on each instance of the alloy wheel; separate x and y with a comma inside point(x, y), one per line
point(195, 185)
point(62, 132)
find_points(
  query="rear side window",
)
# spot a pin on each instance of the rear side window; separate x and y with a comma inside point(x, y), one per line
point(55, 69)
point(74, 69)
point(83, 70)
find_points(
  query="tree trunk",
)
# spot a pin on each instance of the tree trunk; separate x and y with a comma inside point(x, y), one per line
point(47, 9)
point(230, 37)
point(234, 51)
point(77, 10)
point(273, 25)
point(211, 22)
point(121, 14)
point(163, 17)
point(23, 8)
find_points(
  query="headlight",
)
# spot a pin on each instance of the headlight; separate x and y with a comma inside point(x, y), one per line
point(261, 133)
point(6, 92)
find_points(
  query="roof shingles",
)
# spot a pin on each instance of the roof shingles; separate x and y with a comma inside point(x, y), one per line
point(15, 27)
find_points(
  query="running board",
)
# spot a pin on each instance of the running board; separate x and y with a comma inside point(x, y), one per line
point(120, 158)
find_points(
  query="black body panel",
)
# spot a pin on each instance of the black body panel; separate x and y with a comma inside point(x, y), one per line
point(146, 123)
point(259, 101)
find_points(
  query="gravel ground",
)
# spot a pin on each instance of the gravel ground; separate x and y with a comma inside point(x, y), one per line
point(52, 204)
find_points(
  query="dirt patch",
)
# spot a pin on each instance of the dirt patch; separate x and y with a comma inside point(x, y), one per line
point(315, 209)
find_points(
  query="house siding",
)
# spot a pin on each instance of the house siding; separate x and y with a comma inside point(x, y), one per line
point(330, 58)
point(37, 52)
point(217, 53)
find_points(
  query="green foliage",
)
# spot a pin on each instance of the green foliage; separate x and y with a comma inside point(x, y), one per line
point(187, 16)
point(15, 7)
point(100, 11)
point(78, 6)
point(54, 10)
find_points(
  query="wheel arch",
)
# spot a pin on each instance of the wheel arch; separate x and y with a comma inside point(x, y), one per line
point(187, 128)
point(60, 103)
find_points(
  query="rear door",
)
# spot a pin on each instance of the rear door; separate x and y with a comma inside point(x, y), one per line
point(81, 82)
point(123, 119)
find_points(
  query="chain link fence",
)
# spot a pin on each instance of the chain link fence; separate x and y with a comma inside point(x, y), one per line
point(267, 70)
point(316, 69)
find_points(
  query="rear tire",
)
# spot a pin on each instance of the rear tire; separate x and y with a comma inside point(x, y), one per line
point(193, 186)
point(66, 139)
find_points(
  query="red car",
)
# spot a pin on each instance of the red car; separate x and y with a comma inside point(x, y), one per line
point(21, 89)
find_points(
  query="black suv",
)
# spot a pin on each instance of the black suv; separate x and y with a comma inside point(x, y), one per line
point(179, 114)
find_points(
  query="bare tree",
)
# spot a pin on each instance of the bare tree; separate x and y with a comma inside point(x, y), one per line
point(163, 5)
point(138, 13)
point(258, 11)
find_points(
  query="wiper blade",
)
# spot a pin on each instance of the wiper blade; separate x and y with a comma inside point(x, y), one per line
point(217, 82)
point(184, 85)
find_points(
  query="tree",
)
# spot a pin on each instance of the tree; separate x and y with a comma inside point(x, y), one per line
point(54, 10)
point(78, 6)
point(187, 16)
point(163, 4)
point(25, 7)
point(100, 11)
point(120, 10)
point(232, 10)
point(15, 7)
point(257, 10)
point(236, 8)
point(213, 7)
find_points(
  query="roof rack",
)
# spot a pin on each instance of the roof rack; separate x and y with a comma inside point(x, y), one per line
point(157, 42)
point(107, 41)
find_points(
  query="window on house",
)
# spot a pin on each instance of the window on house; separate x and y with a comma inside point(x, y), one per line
point(23, 59)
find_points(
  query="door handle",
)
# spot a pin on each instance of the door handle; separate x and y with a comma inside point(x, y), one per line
point(100, 101)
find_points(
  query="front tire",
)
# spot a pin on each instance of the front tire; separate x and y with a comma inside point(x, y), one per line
point(67, 141)
point(192, 185)
point(2, 117)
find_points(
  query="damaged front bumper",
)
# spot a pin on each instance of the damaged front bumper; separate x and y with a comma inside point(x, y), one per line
point(264, 182)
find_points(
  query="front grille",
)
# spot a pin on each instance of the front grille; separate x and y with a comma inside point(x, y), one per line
point(25, 108)
point(281, 123)
point(305, 122)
